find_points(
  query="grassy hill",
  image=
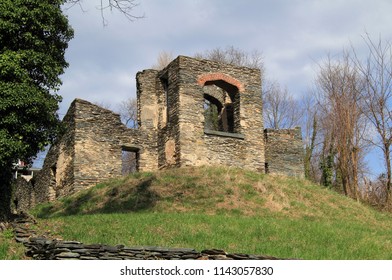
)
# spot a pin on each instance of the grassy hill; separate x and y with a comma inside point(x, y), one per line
point(225, 208)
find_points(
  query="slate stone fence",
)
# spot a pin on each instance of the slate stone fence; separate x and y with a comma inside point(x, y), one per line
point(46, 248)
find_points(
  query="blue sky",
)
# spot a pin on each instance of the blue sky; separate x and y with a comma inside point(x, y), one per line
point(292, 35)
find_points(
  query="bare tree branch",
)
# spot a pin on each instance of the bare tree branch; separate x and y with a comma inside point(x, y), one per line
point(281, 110)
point(235, 56)
point(164, 58)
point(125, 7)
point(128, 112)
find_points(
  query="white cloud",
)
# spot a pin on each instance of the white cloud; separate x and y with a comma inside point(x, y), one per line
point(292, 35)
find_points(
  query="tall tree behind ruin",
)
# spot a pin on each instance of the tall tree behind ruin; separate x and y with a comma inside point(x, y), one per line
point(128, 112)
point(376, 71)
point(339, 95)
point(310, 127)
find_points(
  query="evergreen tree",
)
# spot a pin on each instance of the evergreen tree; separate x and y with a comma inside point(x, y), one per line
point(34, 35)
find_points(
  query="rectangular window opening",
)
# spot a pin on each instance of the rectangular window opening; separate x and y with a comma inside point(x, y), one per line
point(130, 161)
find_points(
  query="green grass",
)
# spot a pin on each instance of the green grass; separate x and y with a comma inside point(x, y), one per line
point(9, 249)
point(231, 209)
point(283, 237)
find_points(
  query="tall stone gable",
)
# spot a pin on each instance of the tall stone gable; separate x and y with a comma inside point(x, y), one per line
point(192, 113)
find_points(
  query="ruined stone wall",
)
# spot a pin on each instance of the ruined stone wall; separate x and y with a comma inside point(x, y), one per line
point(158, 102)
point(284, 152)
point(23, 195)
point(97, 150)
point(148, 118)
point(100, 138)
point(244, 148)
point(88, 151)
point(57, 175)
point(169, 148)
point(171, 129)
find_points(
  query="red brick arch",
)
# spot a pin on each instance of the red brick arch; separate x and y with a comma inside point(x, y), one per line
point(220, 77)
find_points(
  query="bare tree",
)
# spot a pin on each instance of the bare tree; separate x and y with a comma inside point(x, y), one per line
point(164, 58)
point(375, 193)
point(235, 56)
point(128, 112)
point(340, 88)
point(281, 110)
point(125, 7)
point(377, 74)
point(310, 127)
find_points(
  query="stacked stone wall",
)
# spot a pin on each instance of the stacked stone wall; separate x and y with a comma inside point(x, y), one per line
point(57, 175)
point(284, 152)
point(97, 147)
point(170, 146)
point(45, 248)
point(89, 151)
point(196, 146)
point(148, 118)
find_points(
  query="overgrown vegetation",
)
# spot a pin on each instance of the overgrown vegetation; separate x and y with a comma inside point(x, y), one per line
point(225, 208)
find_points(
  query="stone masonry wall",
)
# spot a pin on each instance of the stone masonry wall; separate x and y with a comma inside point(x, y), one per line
point(89, 151)
point(45, 248)
point(149, 116)
point(169, 144)
point(100, 138)
point(97, 145)
point(193, 146)
point(284, 152)
point(57, 175)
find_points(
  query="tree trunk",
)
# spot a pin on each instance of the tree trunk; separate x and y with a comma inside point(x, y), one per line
point(309, 152)
point(5, 193)
point(389, 172)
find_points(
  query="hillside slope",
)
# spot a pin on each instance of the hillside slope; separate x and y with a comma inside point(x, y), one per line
point(231, 209)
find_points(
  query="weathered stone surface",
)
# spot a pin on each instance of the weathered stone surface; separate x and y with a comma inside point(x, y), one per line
point(21, 239)
point(284, 152)
point(68, 255)
point(213, 252)
point(69, 245)
point(88, 258)
point(61, 250)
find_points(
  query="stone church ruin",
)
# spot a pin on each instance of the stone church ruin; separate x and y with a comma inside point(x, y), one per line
point(192, 113)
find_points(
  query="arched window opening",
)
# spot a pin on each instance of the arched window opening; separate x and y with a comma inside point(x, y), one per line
point(212, 118)
point(221, 107)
